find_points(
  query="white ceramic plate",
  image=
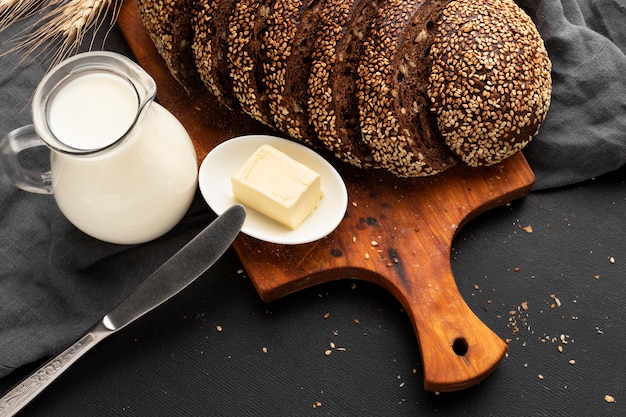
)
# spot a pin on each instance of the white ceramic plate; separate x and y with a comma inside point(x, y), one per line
point(225, 159)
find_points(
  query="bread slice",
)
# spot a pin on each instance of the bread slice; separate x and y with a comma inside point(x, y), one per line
point(246, 29)
point(210, 49)
point(490, 82)
point(333, 105)
point(392, 88)
point(169, 25)
point(289, 42)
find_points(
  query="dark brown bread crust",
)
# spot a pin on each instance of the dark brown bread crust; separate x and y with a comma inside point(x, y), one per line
point(171, 30)
point(411, 69)
point(288, 75)
point(246, 30)
point(333, 103)
point(490, 82)
point(401, 140)
point(210, 47)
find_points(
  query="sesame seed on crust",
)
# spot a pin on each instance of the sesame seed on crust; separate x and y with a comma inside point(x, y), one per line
point(209, 46)
point(245, 29)
point(169, 25)
point(332, 103)
point(156, 19)
point(490, 82)
point(289, 97)
point(279, 41)
point(406, 146)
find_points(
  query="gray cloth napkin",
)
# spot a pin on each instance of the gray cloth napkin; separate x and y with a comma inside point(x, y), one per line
point(584, 134)
point(55, 282)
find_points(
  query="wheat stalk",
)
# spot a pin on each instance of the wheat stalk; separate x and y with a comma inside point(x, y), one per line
point(60, 31)
point(13, 10)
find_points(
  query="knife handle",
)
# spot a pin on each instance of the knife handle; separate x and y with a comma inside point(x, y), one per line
point(18, 397)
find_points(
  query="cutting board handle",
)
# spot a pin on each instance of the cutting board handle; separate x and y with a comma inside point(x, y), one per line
point(458, 350)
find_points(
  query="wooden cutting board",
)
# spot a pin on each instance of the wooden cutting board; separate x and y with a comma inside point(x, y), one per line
point(396, 233)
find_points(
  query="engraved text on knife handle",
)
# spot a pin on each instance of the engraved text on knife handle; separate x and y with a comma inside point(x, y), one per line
point(14, 400)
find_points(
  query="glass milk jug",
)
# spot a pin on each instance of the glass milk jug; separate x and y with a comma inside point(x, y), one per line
point(122, 168)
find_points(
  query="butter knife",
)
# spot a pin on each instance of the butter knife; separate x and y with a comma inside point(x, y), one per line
point(170, 278)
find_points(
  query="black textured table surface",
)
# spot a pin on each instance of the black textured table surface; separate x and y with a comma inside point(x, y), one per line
point(557, 293)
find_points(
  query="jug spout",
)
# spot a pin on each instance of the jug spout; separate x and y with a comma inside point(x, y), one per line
point(144, 84)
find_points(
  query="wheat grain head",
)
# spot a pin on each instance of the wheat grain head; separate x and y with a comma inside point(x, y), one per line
point(59, 32)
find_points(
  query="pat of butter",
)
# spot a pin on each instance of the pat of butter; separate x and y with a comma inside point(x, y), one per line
point(278, 186)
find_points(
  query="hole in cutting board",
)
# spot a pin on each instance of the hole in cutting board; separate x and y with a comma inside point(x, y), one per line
point(460, 346)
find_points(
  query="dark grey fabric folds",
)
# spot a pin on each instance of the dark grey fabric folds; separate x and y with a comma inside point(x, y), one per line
point(584, 134)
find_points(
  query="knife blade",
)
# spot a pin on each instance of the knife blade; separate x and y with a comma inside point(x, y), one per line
point(191, 261)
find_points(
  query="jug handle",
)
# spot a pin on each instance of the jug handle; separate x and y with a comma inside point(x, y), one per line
point(15, 142)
